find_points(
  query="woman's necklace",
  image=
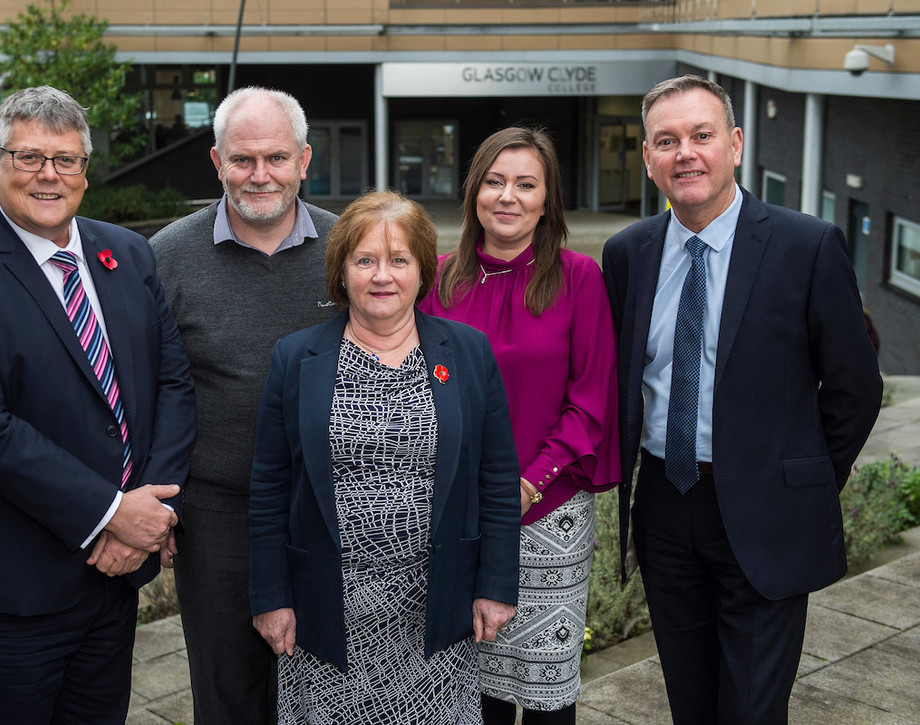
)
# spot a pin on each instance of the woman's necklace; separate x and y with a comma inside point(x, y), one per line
point(486, 275)
point(375, 354)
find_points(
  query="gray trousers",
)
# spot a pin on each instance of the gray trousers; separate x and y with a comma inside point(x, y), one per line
point(233, 671)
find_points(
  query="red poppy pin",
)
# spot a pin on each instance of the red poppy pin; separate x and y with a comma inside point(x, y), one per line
point(440, 372)
point(105, 256)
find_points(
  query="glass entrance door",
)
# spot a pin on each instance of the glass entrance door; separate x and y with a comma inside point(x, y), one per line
point(424, 163)
point(612, 183)
point(616, 167)
point(339, 165)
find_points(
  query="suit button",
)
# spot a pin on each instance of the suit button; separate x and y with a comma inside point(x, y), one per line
point(112, 431)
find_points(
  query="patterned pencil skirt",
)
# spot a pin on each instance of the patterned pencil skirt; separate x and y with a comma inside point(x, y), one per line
point(535, 661)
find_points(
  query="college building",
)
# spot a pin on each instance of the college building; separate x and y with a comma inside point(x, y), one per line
point(399, 93)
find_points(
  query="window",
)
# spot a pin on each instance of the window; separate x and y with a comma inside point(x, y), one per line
point(176, 101)
point(828, 206)
point(339, 165)
point(905, 256)
point(774, 188)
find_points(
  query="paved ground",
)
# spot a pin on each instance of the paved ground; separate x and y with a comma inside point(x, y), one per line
point(860, 664)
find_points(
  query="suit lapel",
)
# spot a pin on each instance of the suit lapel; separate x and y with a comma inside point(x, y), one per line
point(17, 258)
point(317, 386)
point(449, 414)
point(646, 281)
point(751, 237)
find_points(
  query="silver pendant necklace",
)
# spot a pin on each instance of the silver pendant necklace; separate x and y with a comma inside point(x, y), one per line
point(486, 275)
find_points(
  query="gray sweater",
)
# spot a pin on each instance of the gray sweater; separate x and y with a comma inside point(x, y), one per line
point(232, 304)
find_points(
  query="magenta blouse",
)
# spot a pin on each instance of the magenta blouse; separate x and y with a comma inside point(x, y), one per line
point(559, 371)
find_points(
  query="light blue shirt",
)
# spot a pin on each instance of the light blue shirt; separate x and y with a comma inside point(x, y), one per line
point(303, 227)
point(719, 236)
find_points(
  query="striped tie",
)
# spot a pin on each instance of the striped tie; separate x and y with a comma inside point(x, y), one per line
point(90, 335)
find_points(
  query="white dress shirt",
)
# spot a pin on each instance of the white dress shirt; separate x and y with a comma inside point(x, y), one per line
point(42, 250)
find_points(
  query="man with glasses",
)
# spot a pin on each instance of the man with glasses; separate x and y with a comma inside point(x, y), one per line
point(97, 420)
point(240, 274)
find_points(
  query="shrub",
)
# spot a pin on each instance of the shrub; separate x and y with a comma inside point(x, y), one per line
point(158, 598)
point(880, 500)
point(614, 612)
point(132, 203)
point(909, 486)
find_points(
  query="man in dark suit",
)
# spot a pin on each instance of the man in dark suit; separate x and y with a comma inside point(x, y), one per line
point(749, 382)
point(96, 404)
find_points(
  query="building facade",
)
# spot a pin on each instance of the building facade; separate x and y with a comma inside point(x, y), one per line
point(400, 92)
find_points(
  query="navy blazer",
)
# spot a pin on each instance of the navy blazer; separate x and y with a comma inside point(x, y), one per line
point(60, 448)
point(797, 387)
point(295, 550)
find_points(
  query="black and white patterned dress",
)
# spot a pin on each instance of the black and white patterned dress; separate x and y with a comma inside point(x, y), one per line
point(383, 438)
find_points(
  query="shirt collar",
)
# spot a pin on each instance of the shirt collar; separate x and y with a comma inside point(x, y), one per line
point(303, 226)
point(719, 231)
point(487, 261)
point(41, 248)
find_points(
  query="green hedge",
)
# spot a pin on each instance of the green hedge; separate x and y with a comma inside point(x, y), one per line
point(880, 500)
point(121, 205)
point(614, 613)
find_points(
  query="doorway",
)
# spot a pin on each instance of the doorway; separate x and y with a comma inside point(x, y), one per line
point(617, 165)
point(425, 159)
point(339, 165)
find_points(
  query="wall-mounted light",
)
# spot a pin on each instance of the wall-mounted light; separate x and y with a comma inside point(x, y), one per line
point(772, 109)
point(857, 60)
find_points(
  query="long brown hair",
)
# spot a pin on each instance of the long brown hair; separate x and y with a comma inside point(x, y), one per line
point(460, 270)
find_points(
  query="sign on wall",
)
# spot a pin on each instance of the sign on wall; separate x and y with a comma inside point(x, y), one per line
point(520, 79)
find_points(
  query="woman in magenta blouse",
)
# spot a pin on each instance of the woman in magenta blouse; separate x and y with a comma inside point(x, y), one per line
point(546, 313)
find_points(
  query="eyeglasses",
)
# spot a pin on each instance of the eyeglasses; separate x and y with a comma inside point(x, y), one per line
point(33, 162)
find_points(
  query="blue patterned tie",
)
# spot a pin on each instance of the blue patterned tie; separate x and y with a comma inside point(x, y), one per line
point(89, 333)
point(680, 445)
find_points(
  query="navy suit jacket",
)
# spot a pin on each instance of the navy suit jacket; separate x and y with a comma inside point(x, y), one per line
point(60, 448)
point(295, 549)
point(797, 387)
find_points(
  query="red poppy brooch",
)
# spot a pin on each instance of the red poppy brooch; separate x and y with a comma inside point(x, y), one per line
point(440, 372)
point(105, 256)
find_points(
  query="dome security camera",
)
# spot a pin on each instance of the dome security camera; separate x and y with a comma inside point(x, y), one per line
point(856, 61)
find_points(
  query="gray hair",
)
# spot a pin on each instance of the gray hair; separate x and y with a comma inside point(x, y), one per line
point(681, 85)
point(288, 104)
point(54, 109)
